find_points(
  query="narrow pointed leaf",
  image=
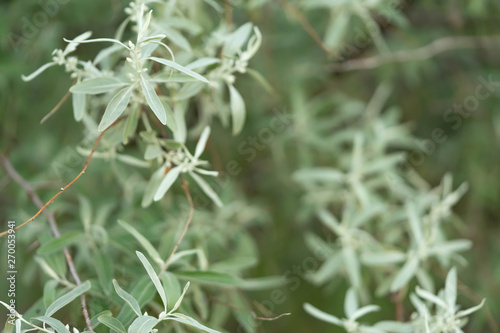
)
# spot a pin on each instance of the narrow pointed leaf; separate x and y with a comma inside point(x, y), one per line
point(154, 277)
point(167, 182)
point(115, 108)
point(207, 189)
point(153, 101)
point(180, 68)
point(129, 299)
point(98, 85)
point(238, 109)
point(202, 142)
point(321, 315)
point(67, 298)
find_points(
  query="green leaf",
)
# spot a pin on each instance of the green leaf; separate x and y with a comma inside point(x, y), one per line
point(179, 301)
point(143, 241)
point(154, 277)
point(79, 103)
point(143, 324)
point(202, 142)
point(203, 62)
point(181, 318)
point(152, 186)
point(98, 85)
point(207, 189)
point(115, 108)
point(153, 101)
point(49, 292)
point(67, 298)
point(54, 323)
point(210, 278)
point(235, 41)
point(152, 152)
point(129, 299)
point(104, 269)
point(172, 288)
point(321, 315)
point(131, 123)
point(238, 109)
point(405, 274)
point(37, 72)
point(180, 68)
point(319, 174)
point(267, 282)
point(167, 182)
point(350, 303)
point(450, 291)
point(57, 244)
point(112, 323)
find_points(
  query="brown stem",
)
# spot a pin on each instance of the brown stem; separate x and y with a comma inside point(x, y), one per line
point(14, 175)
point(42, 208)
point(54, 110)
point(185, 186)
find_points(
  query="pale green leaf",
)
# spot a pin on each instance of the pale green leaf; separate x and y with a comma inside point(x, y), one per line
point(98, 85)
point(180, 68)
point(129, 299)
point(167, 182)
point(115, 108)
point(206, 188)
point(153, 101)
point(67, 298)
point(154, 277)
point(112, 323)
point(238, 109)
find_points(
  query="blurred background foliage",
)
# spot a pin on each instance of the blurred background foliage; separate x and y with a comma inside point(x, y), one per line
point(297, 68)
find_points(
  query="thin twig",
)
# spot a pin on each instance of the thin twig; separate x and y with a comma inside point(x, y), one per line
point(425, 52)
point(54, 110)
point(397, 299)
point(14, 175)
point(185, 186)
point(254, 315)
point(476, 298)
point(70, 183)
point(308, 28)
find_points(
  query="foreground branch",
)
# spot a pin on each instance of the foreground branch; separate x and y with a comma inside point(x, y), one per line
point(14, 175)
point(70, 183)
point(436, 47)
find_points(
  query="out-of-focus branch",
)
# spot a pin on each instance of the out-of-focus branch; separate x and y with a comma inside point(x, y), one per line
point(14, 175)
point(42, 208)
point(308, 28)
point(436, 47)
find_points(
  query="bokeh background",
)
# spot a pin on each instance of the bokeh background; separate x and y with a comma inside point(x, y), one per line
point(289, 58)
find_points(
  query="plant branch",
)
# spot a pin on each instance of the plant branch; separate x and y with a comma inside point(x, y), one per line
point(254, 315)
point(185, 186)
point(54, 110)
point(14, 175)
point(425, 52)
point(70, 183)
point(308, 28)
